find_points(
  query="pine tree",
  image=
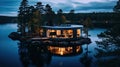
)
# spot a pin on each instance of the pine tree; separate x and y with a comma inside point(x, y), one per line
point(87, 24)
point(117, 7)
point(49, 14)
point(72, 15)
point(35, 21)
point(40, 7)
point(59, 17)
point(23, 16)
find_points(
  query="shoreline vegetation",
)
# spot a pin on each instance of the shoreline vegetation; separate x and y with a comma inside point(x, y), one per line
point(102, 20)
point(8, 19)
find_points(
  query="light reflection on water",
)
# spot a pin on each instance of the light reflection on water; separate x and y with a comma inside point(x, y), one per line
point(10, 52)
point(64, 51)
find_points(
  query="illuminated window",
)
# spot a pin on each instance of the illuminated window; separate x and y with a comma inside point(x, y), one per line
point(68, 33)
point(58, 32)
point(51, 33)
point(41, 32)
point(78, 48)
point(78, 32)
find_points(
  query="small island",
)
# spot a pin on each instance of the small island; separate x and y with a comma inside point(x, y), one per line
point(37, 24)
point(41, 36)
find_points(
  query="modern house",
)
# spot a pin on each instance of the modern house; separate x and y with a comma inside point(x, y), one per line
point(63, 31)
point(64, 34)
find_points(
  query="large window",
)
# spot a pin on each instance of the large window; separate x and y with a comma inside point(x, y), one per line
point(51, 33)
point(78, 32)
point(41, 31)
point(68, 33)
point(62, 33)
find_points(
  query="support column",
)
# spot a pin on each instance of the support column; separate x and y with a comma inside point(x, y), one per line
point(44, 32)
point(74, 33)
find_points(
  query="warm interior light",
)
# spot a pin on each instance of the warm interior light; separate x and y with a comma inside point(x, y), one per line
point(59, 33)
point(41, 31)
point(68, 33)
point(49, 33)
point(78, 32)
point(63, 50)
point(60, 50)
point(78, 48)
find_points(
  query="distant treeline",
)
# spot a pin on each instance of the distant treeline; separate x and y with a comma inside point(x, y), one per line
point(7, 19)
point(103, 19)
point(95, 17)
point(98, 19)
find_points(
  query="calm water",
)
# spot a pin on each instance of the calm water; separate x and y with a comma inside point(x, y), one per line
point(15, 54)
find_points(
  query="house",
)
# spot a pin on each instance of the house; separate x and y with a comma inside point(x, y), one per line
point(61, 32)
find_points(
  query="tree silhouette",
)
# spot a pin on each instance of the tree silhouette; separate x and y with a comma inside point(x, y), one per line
point(109, 46)
point(117, 7)
point(34, 54)
point(86, 59)
point(111, 36)
point(59, 14)
point(23, 16)
point(71, 15)
point(61, 19)
point(87, 24)
point(49, 14)
point(40, 7)
point(35, 22)
point(29, 17)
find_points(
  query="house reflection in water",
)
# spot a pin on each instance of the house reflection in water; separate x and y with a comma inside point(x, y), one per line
point(34, 55)
point(65, 51)
point(41, 56)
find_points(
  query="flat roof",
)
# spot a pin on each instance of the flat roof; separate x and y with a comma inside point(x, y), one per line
point(70, 26)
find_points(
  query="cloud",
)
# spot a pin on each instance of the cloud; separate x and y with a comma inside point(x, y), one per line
point(97, 6)
point(102, 6)
point(11, 6)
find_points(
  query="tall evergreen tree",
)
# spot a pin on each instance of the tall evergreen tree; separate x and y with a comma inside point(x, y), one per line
point(35, 22)
point(87, 24)
point(117, 7)
point(71, 15)
point(40, 7)
point(59, 17)
point(49, 15)
point(23, 16)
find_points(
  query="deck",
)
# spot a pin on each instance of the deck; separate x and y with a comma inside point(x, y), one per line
point(59, 41)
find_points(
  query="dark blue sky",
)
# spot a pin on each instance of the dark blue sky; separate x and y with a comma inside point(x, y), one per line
point(10, 7)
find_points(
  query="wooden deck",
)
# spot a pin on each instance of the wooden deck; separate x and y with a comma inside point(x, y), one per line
point(57, 41)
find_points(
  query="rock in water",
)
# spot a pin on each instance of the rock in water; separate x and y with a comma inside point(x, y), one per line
point(14, 36)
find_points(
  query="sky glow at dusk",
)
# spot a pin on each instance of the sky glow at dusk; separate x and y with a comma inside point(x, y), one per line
point(10, 7)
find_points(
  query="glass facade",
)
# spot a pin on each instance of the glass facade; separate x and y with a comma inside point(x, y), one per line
point(63, 33)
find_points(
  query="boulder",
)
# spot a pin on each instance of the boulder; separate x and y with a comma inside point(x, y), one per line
point(14, 36)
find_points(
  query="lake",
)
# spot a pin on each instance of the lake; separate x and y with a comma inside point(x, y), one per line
point(16, 54)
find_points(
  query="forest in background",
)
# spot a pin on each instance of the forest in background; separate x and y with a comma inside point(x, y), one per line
point(98, 19)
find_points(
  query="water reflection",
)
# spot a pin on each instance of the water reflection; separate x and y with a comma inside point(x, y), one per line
point(34, 55)
point(40, 55)
point(65, 51)
point(86, 60)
